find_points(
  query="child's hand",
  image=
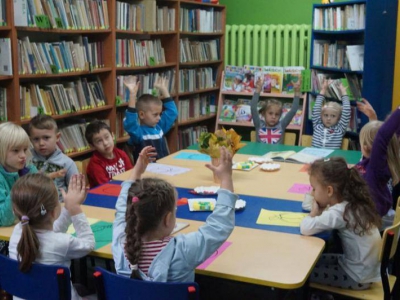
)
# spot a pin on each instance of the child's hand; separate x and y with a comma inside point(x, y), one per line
point(162, 85)
point(224, 169)
point(325, 86)
point(366, 108)
point(57, 174)
point(147, 155)
point(131, 83)
point(296, 87)
point(259, 85)
point(316, 210)
point(76, 194)
point(343, 89)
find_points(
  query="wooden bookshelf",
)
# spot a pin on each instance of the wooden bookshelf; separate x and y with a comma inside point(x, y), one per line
point(107, 74)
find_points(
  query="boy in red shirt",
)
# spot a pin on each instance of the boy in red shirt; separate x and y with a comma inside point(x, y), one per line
point(107, 160)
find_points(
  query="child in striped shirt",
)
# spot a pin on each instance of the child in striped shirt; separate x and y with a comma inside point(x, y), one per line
point(330, 120)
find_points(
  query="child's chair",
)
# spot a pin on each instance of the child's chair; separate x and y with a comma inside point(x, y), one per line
point(110, 286)
point(306, 141)
point(288, 139)
point(389, 287)
point(41, 282)
point(81, 166)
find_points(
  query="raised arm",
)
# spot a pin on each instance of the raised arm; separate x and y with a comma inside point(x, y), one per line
point(170, 112)
point(346, 110)
point(254, 105)
point(132, 84)
point(295, 106)
point(366, 108)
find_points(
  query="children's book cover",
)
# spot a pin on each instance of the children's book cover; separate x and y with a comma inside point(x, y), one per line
point(276, 78)
point(243, 110)
point(233, 80)
point(228, 111)
point(291, 75)
point(297, 118)
point(249, 77)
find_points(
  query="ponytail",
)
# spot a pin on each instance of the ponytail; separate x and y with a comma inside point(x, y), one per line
point(133, 243)
point(28, 246)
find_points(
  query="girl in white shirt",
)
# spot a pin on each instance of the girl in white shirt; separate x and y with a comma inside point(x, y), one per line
point(342, 202)
point(41, 234)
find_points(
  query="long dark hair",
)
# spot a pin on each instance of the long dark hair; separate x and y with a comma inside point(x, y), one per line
point(33, 196)
point(360, 213)
point(152, 198)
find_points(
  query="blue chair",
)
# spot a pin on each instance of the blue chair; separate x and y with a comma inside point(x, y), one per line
point(40, 282)
point(110, 286)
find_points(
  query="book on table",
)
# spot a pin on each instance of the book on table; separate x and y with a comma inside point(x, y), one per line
point(305, 156)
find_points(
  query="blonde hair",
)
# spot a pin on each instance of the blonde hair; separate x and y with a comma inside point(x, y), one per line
point(367, 137)
point(268, 104)
point(11, 135)
point(332, 105)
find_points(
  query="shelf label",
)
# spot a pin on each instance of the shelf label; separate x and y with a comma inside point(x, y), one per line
point(42, 21)
point(118, 100)
point(40, 110)
point(59, 23)
point(54, 69)
point(152, 61)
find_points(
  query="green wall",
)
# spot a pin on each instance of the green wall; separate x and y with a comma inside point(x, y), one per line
point(269, 11)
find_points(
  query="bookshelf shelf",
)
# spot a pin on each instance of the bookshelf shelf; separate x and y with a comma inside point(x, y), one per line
point(106, 76)
point(167, 65)
point(200, 63)
point(63, 31)
point(214, 89)
point(65, 74)
point(79, 153)
point(375, 29)
point(197, 120)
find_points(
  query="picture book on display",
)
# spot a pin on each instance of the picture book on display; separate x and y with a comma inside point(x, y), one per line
point(274, 77)
point(249, 77)
point(233, 80)
point(291, 75)
point(243, 110)
point(228, 111)
point(305, 156)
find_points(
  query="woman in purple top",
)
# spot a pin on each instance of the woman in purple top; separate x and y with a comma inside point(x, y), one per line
point(380, 162)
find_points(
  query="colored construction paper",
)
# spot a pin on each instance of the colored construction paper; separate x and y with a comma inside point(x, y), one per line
point(182, 201)
point(280, 218)
point(300, 188)
point(107, 190)
point(214, 256)
point(102, 232)
point(193, 156)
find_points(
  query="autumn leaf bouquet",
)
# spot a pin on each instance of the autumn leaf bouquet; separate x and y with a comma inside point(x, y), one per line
point(210, 143)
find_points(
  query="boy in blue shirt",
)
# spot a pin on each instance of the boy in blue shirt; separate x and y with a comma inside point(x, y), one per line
point(145, 120)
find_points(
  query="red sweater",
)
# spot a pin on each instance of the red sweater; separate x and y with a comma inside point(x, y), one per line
point(101, 170)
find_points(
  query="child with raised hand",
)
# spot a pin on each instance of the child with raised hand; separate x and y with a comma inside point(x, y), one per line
point(148, 119)
point(342, 201)
point(14, 152)
point(271, 130)
point(41, 236)
point(47, 158)
point(380, 162)
point(146, 213)
point(330, 121)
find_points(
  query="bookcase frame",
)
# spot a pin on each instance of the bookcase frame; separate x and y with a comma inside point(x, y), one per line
point(108, 74)
point(297, 129)
point(379, 38)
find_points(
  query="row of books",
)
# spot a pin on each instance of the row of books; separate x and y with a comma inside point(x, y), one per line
point(240, 111)
point(3, 104)
point(144, 16)
point(348, 17)
point(352, 83)
point(200, 20)
point(338, 55)
point(146, 85)
point(72, 138)
point(139, 53)
point(190, 136)
point(199, 51)
point(195, 107)
point(59, 57)
point(276, 79)
point(5, 57)
point(191, 80)
point(3, 11)
point(59, 99)
point(69, 14)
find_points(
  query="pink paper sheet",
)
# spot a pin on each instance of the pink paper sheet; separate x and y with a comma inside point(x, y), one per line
point(213, 256)
point(300, 188)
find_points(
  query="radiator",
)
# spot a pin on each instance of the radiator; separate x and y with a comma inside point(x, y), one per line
point(268, 45)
